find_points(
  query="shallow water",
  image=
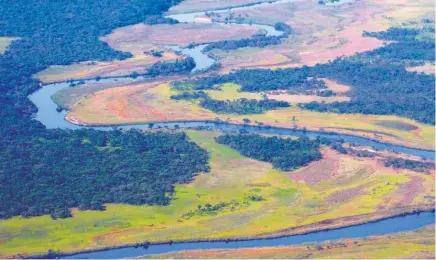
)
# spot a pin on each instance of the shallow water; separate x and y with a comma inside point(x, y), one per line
point(202, 60)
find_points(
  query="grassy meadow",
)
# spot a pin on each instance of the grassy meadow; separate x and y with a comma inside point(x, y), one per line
point(340, 188)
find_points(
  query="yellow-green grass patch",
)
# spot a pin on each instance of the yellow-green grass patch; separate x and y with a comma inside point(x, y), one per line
point(232, 178)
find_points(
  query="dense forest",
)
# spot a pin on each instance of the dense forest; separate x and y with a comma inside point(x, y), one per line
point(296, 80)
point(159, 19)
point(242, 106)
point(258, 40)
point(406, 45)
point(190, 95)
point(47, 171)
point(283, 27)
point(380, 84)
point(171, 68)
point(51, 173)
point(400, 163)
point(284, 153)
point(379, 88)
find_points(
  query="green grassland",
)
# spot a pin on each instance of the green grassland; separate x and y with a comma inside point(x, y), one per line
point(417, 244)
point(233, 178)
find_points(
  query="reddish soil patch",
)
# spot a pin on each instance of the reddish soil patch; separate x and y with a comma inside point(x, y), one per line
point(318, 171)
point(410, 190)
point(346, 195)
point(139, 37)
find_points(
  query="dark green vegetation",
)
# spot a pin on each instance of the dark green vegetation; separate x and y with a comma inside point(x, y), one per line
point(53, 172)
point(242, 106)
point(284, 154)
point(380, 83)
point(283, 27)
point(294, 80)
point(190, 95)
point(409, 164)
point(379, 88)
point(258, 40)
point(158, 19)
point(406, 45)
point(48, 171)
point(154, 53)
point(171, 68)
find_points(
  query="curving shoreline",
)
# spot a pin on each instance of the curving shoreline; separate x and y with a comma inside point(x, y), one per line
point(49, 117)
point(427, 211)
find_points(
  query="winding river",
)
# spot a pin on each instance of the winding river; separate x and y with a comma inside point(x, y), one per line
point(204, 61)
point(382, 227)
point(48, 116)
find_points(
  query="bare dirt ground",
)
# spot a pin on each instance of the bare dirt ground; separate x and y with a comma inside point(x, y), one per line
point(136, 38)
point(427, 68)
point(319, 171)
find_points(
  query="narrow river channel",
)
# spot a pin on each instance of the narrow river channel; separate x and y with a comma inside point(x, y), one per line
point(49, 117)
point(382, 227)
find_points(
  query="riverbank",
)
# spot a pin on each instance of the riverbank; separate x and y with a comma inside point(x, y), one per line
point(251, 126)
point(48, 115)
point(148, 102)
point(106, 252)
point(417, 244)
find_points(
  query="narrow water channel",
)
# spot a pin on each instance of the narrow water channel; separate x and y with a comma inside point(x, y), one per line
point(202, 60)
point(49, 117)
point(382, 227)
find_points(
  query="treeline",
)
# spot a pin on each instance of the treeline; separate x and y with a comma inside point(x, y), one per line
point(383, 87)
point(159, 19)
point(400, 163)
point(242, 106)
point(406, 45)
point(257, 40)
point(379, 88)
point(394, 34)
point(183, 66)
point(48, 171)
point(298, 80)
point(190, 95)
point(285, 154)
point(283, 27)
